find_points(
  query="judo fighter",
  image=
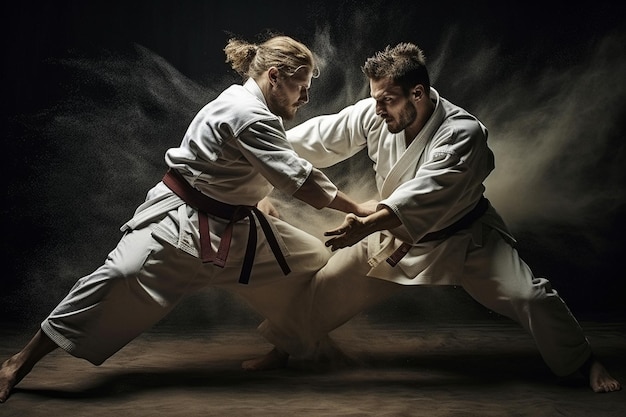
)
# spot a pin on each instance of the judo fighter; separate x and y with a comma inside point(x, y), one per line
point(432, 224)
point(201, 225)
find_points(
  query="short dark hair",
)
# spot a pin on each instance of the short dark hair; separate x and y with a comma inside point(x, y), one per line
point(405, 64)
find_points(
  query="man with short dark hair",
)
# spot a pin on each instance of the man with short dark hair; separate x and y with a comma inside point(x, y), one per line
point(432, 225)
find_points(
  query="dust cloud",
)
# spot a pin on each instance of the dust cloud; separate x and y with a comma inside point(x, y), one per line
point(555, 133)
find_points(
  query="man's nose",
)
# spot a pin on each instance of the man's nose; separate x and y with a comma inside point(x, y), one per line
point(304, 96)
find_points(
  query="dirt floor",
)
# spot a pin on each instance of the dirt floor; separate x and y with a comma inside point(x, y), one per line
point(487, 368)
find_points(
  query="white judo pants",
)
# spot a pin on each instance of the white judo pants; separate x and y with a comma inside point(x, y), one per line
point(494, 275)
point(144, 278)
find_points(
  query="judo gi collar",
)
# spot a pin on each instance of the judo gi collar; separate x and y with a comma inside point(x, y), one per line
point(253, 88)
point(414, 151)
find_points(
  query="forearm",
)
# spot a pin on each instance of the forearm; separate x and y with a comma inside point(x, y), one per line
point(383, 219)
point(345, 204)
point(317, 190)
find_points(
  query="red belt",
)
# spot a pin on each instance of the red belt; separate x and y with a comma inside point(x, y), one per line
point(463, 223)
point(206, 205)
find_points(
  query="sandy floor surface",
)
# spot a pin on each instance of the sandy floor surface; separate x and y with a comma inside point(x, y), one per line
point(464, 369)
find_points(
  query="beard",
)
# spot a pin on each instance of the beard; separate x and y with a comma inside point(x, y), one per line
point(405, 118)
point(284, 108)
point(283, 102)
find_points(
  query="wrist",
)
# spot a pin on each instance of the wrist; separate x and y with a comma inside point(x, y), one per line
point(383, 219)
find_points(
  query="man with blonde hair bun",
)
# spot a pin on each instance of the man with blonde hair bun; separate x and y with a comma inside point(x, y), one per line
point(202, 224)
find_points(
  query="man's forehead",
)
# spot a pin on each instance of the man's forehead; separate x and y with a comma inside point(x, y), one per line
point(302, 75)
point(384, 86)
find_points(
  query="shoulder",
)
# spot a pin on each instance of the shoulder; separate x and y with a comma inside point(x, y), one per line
point(365, 107)
point(239, 108)
point(363, 113)
point(460, 122)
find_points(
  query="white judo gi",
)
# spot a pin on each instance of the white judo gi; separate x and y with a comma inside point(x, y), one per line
point(430, 185)
point(234, 151)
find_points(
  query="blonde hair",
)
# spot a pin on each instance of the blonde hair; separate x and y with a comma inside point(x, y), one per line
point(250, 60)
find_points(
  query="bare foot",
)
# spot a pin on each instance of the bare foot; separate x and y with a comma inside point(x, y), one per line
point(11, 373)
point(14, 369)
point(600, 380)
point(274, 359)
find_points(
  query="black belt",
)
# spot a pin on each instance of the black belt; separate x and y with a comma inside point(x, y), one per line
point(206, 205)
point(463, 223)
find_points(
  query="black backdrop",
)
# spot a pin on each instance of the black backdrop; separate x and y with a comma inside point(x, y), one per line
point(95, 92)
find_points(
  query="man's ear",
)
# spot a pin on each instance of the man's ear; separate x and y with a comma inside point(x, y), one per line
point(272, 75)
point(418, 91)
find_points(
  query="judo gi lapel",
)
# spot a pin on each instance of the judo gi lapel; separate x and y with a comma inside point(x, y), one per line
point(407, 163)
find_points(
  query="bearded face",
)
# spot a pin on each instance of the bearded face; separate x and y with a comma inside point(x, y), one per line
point(288, 93)
point(393, 105)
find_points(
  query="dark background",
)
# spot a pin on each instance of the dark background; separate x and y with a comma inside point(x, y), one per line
point(95, 92)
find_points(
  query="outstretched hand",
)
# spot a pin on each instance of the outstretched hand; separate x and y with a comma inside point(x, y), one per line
point(351, 231)
point(354, 228)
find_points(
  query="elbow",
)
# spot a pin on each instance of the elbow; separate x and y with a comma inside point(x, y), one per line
point(315, 195)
